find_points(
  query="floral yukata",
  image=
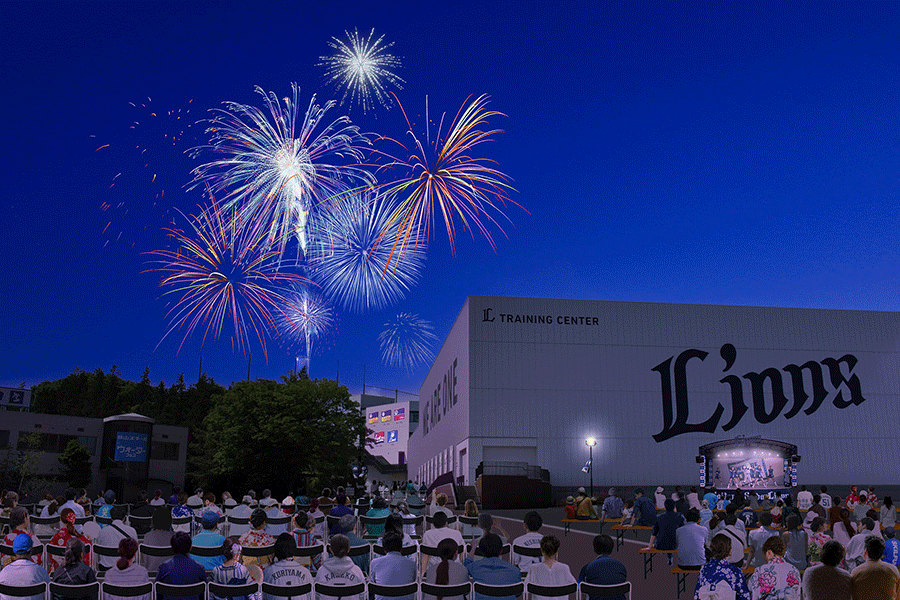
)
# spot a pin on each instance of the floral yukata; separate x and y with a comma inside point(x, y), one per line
point(720, 580)
point(775, 580)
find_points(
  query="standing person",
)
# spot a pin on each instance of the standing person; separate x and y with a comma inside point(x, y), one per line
point(255, 538)
point(549, 571)
point(875, 579)
point(448, 571)
point(126, 571)
point(690, 541)
point(693, 499)
point(777, 578)
point(826, 499)
point(660, 497)
point(530, 539)
point(888, 512)
point(718, 575)
point(66, 533)
point(796, 541)
point(393, 568)
point(74, 571)
point(285, 570)
point(827, 581)
point(339, 569)
point(834, 513)
point(664, 531)
point(22, 571)
point(804, 498)
point(180, 569)
point(604, 570)
point(231, 571)
point(491, 570)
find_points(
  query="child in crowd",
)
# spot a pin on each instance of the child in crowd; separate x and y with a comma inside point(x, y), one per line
point(570, 507)
point(628, 511)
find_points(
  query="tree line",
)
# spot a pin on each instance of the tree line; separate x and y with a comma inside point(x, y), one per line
point(286, 435)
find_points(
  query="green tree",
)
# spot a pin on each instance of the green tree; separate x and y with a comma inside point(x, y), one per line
point(261, 432)
point(77, 462)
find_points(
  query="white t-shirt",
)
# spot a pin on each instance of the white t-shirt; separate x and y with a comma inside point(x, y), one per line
point(532, 539)
point(433, 537)
point(557, 574)
point(804, 500)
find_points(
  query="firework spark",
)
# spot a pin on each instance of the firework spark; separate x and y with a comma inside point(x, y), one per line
point(306, 316)
point(407, 341)
point(270, 164)
point(361, 68)
point(445, 176)
point(354, 265)
point(222, 270)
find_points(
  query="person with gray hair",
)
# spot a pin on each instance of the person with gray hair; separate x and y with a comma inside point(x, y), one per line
point(348, 527)
point(612, 506)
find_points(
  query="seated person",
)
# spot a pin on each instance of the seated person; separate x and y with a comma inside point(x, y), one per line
point(393, 568)
point(604, 570)
point(644, 510)
point(690, 541)
point(285, 570)
point(491, 569)
point(531, 539)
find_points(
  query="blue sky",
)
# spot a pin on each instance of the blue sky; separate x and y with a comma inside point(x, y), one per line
point(666, 152)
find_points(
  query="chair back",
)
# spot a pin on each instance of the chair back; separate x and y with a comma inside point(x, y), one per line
point(445, 591)
point(496, 591)
point(107, 551)
point(450, 520)
point(340, 591)
point(606, 591)
point(285, 591)
point(127, 591)
point(554, 591)
point(22, 591)
point(157, 551)
point(103, 520)
point(60, 551)
point(82, 520)
point(6, 550)
point(85, 590)
point(404, 551)
point(530, 551)
point(229, 591)
point(258, 551)
point(308, 551)
point(206, 551)
point(355, 550)
point(393, 591)
point(181, 591)
point(473, 521)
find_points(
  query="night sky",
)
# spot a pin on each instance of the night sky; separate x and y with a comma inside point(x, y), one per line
point(667, 152)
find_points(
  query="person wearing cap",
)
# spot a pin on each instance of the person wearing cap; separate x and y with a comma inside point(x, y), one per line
point(660, 497)
point(570, 507)
point(208, 538)
point(104, 510)
point(20, 523)
point(22, 571)
point(112, 535)
point(612, 506)
point(257, 537)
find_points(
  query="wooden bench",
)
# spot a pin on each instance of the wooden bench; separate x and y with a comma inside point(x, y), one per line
point(613, 521)
point(621, 529)
point(681, 577)
point(648, 554)
point(568, 522)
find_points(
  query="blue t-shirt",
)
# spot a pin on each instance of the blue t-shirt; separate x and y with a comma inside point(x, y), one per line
point(665, 528)
point(493, 571)
point(645, 511)
point(208, 539)
point(604, 570)
point(891, 551)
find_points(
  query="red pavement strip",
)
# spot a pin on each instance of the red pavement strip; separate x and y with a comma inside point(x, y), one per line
point(576, 550)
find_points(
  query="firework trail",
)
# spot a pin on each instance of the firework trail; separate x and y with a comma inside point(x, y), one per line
point(361, 67)
point(273, 164)
point(446, 177)
point(305, 317)
point(139, 169)
point(354, 265)
point(223, 270)
point(407, 341)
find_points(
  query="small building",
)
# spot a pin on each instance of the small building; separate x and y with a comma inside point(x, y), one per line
point(389, 423)
point(128, 452)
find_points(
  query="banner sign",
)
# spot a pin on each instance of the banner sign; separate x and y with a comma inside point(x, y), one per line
point(373, 417)
point(131, 447)
point(15, 397)
point(385, 416)
point(379, 437)
point(399, 414)
point(392, 436)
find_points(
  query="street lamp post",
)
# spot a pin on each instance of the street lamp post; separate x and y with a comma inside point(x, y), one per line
point(591, 442)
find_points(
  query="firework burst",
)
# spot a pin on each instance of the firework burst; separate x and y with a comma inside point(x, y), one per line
point(306, 316)
point(354, 264)
point(361, 68)
point(407, 341)
point(222, 271)
point(272, 164)
point(446, 177)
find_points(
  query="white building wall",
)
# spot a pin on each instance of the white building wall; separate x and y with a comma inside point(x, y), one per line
point(538, 389)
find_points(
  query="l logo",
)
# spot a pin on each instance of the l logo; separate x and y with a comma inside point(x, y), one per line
point(487, 318)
